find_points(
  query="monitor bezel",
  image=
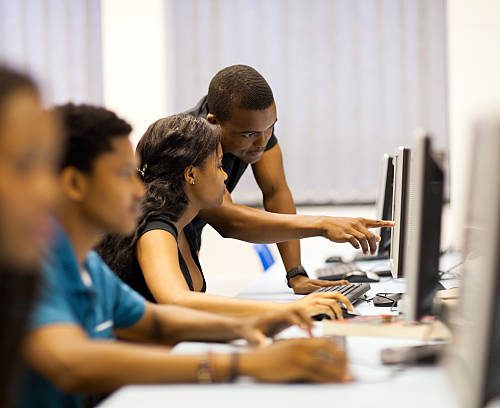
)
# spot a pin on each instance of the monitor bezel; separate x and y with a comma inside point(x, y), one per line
point(401, 163)
point(423, 232)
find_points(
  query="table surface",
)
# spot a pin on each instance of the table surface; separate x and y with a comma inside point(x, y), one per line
point(375, 385)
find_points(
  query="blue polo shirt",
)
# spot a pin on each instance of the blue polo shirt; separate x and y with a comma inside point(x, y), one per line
point(98, 308)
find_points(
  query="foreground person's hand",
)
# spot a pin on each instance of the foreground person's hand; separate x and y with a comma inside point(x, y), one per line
point(257, 329)
point(317, 303)
point(312, 360)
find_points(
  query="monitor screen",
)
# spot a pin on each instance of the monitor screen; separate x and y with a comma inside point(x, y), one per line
point(401, 165)
point(473, 360)
point(423, 232)
point(384, 203)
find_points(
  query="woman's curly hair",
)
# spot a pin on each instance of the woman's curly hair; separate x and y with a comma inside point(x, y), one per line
point(168, 147)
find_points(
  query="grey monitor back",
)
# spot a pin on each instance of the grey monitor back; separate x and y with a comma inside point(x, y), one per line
point(473, 360)
point(401, 162)
point(423, 229)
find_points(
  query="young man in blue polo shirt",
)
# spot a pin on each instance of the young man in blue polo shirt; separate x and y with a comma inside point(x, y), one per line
point(71, 349)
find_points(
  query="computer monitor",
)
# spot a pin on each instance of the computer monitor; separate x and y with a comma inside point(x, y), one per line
point(401, 164)
point(423, 230)
point(384, 204)
point(473, 358)
point(384, 212)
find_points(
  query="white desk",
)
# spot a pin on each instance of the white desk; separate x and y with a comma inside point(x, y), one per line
point(375, 384)
point(418, 389)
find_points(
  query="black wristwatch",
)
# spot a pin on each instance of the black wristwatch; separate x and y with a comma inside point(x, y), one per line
point(297, 271)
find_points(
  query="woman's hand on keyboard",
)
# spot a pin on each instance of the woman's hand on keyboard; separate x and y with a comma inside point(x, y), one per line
point(316, 360)
point(353, 230)
point(303, 285)
point(318, 303)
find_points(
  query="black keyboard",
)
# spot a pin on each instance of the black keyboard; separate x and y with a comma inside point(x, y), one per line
point(336, 271)
point(353, 291)
point(359, 258)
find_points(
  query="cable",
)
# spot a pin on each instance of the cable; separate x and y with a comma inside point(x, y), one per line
point(452, 276)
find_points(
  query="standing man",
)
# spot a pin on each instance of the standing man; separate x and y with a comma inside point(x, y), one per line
point(241, 102)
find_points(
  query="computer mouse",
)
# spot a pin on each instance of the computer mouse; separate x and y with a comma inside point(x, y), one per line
point(386, 299)
point(334, 259)
point(361, 276)
point(350, 313)
point(347, 314)
point(382, 273)
point(321, 316)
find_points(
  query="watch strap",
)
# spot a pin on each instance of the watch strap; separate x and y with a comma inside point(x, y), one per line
point(297, 271)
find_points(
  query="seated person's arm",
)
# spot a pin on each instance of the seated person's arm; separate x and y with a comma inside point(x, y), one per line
point(158, 258)
point(157, 254)
point(60, 350)
point(167, 324)
point(77, 364)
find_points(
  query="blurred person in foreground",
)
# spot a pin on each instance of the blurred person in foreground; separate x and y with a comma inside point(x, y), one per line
point(29, 149)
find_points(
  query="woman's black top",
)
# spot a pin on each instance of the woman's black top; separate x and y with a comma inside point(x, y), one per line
point(161, 222)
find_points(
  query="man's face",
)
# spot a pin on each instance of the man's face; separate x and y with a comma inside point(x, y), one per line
point(246, 133)
point(112, 190)
point(29, 154)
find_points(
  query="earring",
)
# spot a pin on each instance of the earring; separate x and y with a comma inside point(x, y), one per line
point(192, 182)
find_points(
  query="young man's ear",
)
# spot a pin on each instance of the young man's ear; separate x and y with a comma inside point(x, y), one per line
point(190, 175)
point(211, 118)
point(73, 183)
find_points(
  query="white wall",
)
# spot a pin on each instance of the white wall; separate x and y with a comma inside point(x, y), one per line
point(473, 85)
point(351, 89)
point(58, 43)
point(134, 45)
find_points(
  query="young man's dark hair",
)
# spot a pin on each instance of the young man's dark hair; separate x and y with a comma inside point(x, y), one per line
point(89, 131)
point(238, 86)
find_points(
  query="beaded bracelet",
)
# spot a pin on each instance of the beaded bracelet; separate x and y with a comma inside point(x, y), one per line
point(206, 372)
point(234, 367)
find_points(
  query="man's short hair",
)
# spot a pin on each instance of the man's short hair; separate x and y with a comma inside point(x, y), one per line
point(238, 86)
point(89, 131)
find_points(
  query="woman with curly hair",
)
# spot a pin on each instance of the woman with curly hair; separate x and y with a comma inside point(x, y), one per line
point(180, 163)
